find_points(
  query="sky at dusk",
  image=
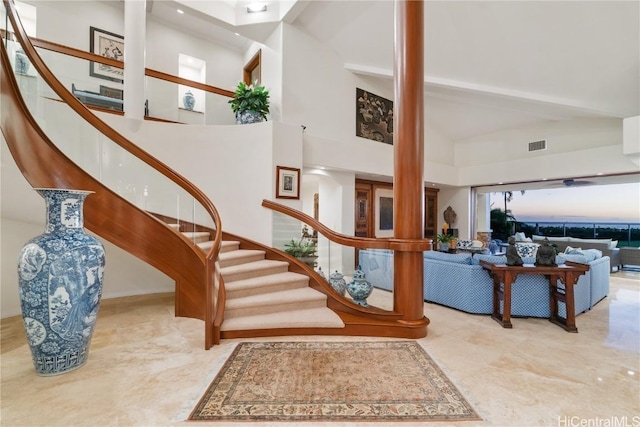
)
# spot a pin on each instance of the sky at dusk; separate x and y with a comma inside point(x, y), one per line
point(602, 203)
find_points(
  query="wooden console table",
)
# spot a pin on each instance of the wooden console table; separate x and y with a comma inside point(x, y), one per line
point(505, 275)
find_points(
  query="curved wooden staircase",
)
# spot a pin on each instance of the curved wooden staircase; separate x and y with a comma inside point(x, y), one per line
point(238, 287)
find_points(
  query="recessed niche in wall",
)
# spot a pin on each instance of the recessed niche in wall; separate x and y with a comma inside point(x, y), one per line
point(194, 69)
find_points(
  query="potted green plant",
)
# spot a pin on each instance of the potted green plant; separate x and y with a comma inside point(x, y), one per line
point(303, 249)
point(443, 241)
point(250, 103)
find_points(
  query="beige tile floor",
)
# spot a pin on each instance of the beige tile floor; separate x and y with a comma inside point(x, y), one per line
point(148, 368)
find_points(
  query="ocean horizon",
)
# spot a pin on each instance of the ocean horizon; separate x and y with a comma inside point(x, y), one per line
point(578, 220)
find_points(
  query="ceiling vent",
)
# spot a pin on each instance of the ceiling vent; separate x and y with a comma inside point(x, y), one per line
point(538, 145)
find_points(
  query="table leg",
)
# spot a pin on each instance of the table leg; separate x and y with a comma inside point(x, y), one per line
point(505, 318)
point(568, 324)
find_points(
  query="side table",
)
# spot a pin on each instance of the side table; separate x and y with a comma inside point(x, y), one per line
point(504, 275)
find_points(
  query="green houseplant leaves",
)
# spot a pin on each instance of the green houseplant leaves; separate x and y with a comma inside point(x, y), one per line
point(253, 98)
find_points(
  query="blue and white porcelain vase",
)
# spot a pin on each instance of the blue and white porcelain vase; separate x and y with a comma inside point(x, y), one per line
point(337, 282)
point(247, 117)
point(493, 247)
point(189, 100)
point(21, 62)
point(60, 276)
point(360, 288)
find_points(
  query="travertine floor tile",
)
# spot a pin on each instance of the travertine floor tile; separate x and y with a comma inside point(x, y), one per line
point(148, 368)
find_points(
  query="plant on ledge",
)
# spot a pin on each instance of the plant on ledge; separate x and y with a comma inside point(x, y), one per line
point(303, 249)
point(250, 103)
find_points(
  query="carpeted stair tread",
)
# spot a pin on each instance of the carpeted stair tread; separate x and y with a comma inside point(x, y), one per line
point(197, 236)
point(264, 284)
point(229, 245)
point(253, 269)
point(307, 318)
point(240, 256)
point(282, 301)
point(225, 246)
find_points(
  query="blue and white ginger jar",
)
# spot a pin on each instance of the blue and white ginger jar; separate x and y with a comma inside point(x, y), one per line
point(337, 282)
point(60, 277)
point(360, 288)
point(189, 100)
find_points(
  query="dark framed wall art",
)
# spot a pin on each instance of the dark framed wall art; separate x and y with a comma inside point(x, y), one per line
point(287, 183)
point(109, 45)
point(374, 117)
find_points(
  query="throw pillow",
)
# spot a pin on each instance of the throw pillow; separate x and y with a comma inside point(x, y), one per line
point(464, 243)
point(573, 251)
point(527, 249)
point(520, 237)
point(613, 244)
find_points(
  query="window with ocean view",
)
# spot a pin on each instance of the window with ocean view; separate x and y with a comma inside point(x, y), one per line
point(593, 212)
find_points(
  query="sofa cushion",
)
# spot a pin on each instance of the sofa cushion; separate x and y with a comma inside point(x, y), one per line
point(613, 244)
point(597, 253)
point(537, 238)
point(441, 256)
point(520, 237)
point(589, 254)
point(527, 249)
point(493, 259)
point(578, 240)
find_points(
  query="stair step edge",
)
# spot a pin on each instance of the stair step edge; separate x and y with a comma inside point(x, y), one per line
point(276, 298)
point(306, 318)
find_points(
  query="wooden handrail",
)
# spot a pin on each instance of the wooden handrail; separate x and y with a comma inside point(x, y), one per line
point(89, 56)
point(402, 245)
point(54, 156)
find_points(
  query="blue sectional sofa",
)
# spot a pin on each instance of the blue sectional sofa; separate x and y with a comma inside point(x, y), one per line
point(459, 281)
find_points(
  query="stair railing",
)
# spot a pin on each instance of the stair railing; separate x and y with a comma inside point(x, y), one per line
point(108, 214)
point(399, 245)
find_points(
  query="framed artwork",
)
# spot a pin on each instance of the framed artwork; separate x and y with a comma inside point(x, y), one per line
point(383, 211)
point(374, 117)
point(111, 46)
point(287, 183)
point(111, 92)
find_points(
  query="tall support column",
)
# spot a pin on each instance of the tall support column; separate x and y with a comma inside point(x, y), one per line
point(135, 15)
point(408, 181)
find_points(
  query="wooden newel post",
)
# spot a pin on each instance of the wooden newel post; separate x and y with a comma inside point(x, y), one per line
point(408, 182)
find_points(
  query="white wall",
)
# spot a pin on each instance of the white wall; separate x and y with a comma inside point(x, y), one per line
point(234, 165)
point(22, 218)
point(574, 148)
point(336, 192)
point(460, 201)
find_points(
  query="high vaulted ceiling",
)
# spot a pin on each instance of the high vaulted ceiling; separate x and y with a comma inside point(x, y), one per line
point(489, 65)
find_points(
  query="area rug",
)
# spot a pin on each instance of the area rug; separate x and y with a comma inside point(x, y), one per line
point(332, 381)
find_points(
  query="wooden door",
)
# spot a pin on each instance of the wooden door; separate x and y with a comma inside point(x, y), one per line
point(430, 212)
point(363, 210)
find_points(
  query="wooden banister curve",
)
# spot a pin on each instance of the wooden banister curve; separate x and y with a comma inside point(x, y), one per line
point(106, 213)
point(409, 245)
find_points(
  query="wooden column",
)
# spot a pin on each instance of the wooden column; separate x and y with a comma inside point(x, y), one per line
point(408, 184)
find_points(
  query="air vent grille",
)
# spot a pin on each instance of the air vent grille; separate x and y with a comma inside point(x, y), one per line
point(538, 145)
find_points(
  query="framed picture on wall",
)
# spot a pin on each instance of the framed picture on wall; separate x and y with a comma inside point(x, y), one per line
point(109, 45)
point(374, 117)
point(383, 211)
point(287, 183)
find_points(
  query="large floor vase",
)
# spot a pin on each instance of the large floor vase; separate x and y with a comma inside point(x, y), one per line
point(60, 275)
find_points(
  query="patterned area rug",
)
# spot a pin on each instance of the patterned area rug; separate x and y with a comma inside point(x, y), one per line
point(332, 381)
